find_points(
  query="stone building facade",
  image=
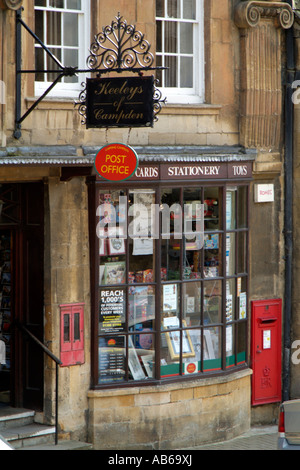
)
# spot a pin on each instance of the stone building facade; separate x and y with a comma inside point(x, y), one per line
point(233, 118)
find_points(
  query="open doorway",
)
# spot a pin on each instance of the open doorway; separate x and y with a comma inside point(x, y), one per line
point(21, 294)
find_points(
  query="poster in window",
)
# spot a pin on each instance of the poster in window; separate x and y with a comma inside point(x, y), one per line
point(170, 297)
point(114, 273)
point(112, 309)
point(111, 359)
point(243, 305)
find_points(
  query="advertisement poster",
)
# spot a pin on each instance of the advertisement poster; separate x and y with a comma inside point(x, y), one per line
point(111, 359)
point(170, 297)
point(112, 311)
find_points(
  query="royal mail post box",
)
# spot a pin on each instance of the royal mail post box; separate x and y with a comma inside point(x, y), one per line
point(72, 334)
point(266, 346)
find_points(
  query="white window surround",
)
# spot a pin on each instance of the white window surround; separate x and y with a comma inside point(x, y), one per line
point(70, 90)
point(195, 95)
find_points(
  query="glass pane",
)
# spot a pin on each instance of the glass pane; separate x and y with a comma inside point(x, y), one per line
point(230, 208)
point(230, 254)
point(111, 359)
point(191, 292)
point(112, 232)
point(40, 3)
point(186, 38)
point(39, 64)
point(171, 74)
point(230, 349)
point(77, 327)
point(173, 8)
point(241, 342)
point(160, 8)
point(112, 310)
point(230, 300)
point(170, 306)
point(242, 297)
point(212, 302)
point(242, 206)
point(74, 4)
point(171, 216)
point(189, 9)
point(56, 3)
point(171, 36)
point(51, 65)
point(141, 356)
point(66, 328)
point(39, 24)
point(54, 37)
point(212, 349)
point(159, 36)
point(141, 308)
point(71, 29)
point(71, 59)
point(194, 233)
point(213, 255)
point(186, 72)
point(192, 364)
point(212, 209)
point(242, 252)
point(159, 73)
point(141, 230)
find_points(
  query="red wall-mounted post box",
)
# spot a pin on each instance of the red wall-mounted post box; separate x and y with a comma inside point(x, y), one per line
point(266, 347)
point(72, 334)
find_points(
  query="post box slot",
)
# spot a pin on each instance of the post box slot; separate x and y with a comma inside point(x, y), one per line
point(267, 320)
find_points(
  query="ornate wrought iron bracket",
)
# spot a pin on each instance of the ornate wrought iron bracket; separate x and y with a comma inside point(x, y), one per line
point(118, 48)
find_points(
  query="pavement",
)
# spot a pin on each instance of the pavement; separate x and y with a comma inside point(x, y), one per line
point(257, 438)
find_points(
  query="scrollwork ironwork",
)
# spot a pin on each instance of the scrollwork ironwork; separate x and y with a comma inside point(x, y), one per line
point(120, 47)
point(81, 104)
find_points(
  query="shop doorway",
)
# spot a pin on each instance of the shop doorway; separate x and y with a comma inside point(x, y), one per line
point(21, 294)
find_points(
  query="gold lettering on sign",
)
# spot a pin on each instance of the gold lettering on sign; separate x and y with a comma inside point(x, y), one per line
point(100, 114)
point(129, 92)
point(125, 95)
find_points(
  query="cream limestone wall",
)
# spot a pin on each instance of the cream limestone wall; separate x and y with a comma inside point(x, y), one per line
point(67, 273)
point(174, 416)
point(56, 121)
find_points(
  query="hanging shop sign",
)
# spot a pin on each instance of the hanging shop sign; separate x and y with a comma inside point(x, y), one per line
point(120, 102)
point(116, 162)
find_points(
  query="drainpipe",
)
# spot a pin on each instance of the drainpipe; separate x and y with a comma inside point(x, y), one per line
point(288, 209)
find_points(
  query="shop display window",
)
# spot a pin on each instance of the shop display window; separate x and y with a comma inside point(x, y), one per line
point(172, 274)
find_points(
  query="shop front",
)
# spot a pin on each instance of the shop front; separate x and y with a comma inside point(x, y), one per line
point(169, 254)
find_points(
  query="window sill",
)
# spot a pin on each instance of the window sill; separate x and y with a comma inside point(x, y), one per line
point(191, 109)
point(168, 109)
point(52, 103)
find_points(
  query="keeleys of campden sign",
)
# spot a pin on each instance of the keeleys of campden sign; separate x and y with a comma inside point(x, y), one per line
point(120, 102)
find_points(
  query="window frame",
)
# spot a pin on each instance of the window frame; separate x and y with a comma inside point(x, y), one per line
point(68, 90)
point(195, 95)
point(226, 364)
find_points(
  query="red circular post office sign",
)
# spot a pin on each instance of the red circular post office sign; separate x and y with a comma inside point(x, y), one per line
point(116, 162)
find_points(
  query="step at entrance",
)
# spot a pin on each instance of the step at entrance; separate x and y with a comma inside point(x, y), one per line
point(19, 430)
